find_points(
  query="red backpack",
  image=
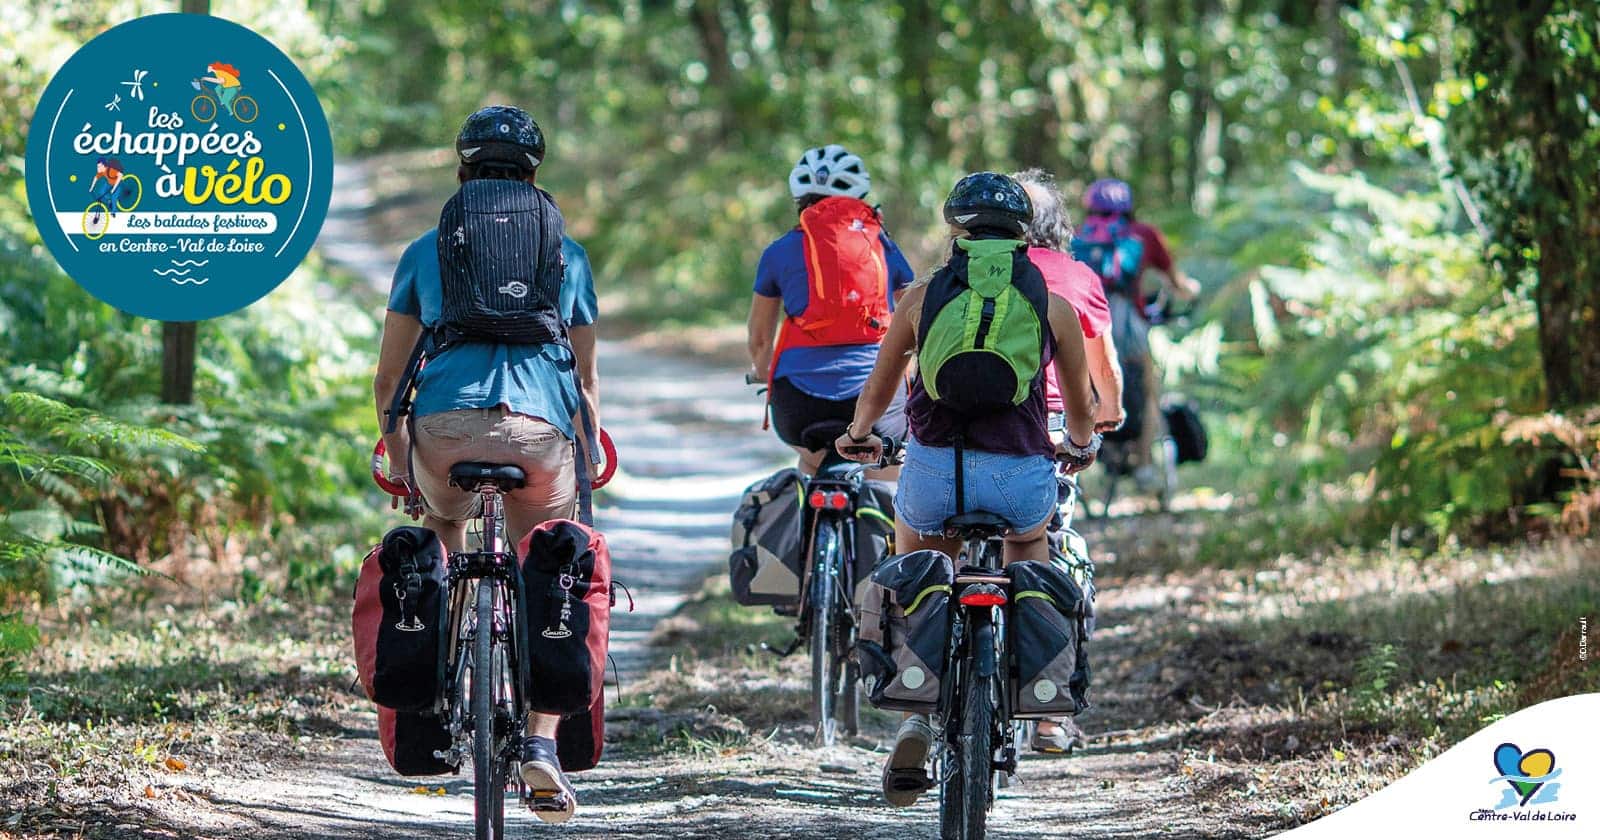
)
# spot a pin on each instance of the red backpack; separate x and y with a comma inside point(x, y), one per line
point(848, 278)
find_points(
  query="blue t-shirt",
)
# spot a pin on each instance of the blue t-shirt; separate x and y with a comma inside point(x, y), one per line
point(829, 373)
point(531, 379)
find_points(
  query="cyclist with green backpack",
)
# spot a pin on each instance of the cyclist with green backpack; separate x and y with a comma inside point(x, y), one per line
point(984, 328)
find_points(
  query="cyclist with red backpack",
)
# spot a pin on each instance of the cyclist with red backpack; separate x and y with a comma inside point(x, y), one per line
point(824, 296)
point(501, 304)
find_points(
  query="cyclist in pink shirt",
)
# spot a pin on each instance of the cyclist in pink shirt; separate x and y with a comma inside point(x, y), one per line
point(1079, 285)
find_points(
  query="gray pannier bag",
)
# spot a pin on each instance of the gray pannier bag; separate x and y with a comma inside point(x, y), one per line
point(904, 630)
point(1069, 552)
point(874, 532)
point(765, 565)
point(1045, 634)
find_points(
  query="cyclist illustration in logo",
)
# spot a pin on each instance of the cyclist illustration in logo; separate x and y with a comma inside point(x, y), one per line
point(113, 190)
point(224, 90)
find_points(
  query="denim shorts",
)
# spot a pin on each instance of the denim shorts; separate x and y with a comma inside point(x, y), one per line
point(1019, 488)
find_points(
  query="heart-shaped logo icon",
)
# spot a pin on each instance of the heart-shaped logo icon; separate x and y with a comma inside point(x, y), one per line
point(1524, 771)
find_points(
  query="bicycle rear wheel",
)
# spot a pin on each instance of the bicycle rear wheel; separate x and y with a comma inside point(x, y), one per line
point(825, 667)
point(489, 782)
point(968, 785)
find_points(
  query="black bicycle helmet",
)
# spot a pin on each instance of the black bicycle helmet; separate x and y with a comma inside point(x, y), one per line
point(501, 134)
point(989, 200)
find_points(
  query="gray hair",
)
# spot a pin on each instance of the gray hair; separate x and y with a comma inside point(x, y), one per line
point(1052, 223)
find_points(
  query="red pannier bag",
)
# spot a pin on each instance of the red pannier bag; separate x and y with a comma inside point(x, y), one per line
point(566, 588)
point(398, 623)
point(396, 646)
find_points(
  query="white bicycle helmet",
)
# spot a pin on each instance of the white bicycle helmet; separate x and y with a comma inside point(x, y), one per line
point(829, 170)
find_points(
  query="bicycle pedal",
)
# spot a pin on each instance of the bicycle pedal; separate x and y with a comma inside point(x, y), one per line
point(910, 780)
point(547, 800)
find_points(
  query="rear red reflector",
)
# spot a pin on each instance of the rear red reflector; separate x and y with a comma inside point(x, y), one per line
point(983, 599)
point(818, 499)
point(838, 501)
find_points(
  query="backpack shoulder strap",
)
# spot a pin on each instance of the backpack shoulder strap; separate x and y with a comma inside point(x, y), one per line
point(400, 403)
point(944, 286)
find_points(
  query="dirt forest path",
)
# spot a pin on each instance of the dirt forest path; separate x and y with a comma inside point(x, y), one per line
point(689, 436)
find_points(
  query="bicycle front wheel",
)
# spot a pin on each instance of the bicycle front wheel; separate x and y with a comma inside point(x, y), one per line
point(968, 787)
point(825, 667)
point(96, 219)
point(489, 784)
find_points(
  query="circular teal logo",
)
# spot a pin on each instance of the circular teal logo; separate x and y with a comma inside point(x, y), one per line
point(179, 167)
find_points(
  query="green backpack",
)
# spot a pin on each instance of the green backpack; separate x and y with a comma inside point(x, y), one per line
point(982, 333)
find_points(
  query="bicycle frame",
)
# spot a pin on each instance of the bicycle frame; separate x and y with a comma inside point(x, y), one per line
point(492, 565)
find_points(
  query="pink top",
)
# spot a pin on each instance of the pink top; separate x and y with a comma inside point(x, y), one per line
point(1077, 284)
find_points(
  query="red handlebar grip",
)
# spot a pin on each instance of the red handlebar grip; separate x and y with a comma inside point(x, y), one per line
point(380, 478)
point(610, 468)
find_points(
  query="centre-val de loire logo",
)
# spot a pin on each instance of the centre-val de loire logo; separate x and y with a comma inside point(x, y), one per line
point(179, 166)
point(1525, 780)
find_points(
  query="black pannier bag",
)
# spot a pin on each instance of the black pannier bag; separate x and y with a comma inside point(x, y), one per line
point(1044, 634)
point(765, 566)
point(1183, 421)
point(399, 619)
point(904, 629)
point(410, 740)
point(567, 598)
point(874, 532)
point(500, 264)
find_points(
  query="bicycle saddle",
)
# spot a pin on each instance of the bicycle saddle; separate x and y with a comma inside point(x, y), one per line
point(975, 525)
point(473, 475)
point(821, 435)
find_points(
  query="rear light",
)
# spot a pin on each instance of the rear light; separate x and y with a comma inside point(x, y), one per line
point(983, 595)
point(826, 499)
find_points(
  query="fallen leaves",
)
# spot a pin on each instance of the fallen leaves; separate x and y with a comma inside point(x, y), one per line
point(175, 764)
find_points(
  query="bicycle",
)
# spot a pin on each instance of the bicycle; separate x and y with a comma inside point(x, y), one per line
point(204, 106)
point(97, 216)
point(827, 611)
point(482, 704)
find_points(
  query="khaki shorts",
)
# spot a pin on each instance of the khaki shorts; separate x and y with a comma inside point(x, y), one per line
point(496, 436)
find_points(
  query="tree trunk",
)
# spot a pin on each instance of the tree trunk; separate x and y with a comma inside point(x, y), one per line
point(1568, 294)
point(917, 41)
point(178, 337)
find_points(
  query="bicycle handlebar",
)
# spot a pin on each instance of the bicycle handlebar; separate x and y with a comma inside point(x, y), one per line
point(379, 477)
point(893, 452)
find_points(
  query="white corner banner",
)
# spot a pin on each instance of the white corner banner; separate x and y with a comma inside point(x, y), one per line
point(1535, 773)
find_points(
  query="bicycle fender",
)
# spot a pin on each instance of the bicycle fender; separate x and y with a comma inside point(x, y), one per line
point(983, 652)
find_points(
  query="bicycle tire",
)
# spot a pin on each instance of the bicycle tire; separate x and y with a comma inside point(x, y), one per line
point(203, 104)
point(101, 223)
point(487, 781)
point(824, 665)
point(850, 699)
point(138, 194)
point(244, 104)
point(964, 815)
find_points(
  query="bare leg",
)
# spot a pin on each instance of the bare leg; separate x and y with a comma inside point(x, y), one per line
point(452, 534)
point(1028, 546)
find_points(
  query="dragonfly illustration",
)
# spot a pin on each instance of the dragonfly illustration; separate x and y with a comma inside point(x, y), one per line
point(115, 103)
point(137, 84)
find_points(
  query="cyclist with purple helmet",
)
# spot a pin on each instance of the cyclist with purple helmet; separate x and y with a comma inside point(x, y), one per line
point(1127, 253)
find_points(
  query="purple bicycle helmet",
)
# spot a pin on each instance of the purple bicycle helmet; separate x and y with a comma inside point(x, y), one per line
point(1108, 195)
